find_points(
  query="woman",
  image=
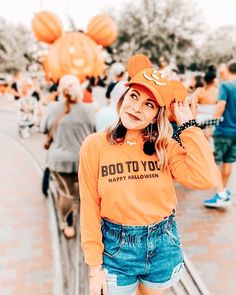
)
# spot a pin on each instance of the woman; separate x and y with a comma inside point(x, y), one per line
point(74, 121)
point(204, 99)
point(128, 230)
point(29, 108)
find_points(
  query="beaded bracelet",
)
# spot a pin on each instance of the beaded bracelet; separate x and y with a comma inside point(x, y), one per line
point(182, 128)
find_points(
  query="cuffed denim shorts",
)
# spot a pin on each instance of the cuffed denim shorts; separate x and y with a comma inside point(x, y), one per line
point(151, 255)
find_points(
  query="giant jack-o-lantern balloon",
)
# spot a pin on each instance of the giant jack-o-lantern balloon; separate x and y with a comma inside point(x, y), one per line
point(48, 74)
point(46, 27)
point(74, 53)
point(102, 29)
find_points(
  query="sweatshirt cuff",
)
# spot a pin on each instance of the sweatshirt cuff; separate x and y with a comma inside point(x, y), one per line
point(94, 261)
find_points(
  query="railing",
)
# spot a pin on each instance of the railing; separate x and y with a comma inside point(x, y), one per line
point(191, 283)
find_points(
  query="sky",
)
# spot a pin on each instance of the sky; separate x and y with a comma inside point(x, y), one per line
point(215, 12)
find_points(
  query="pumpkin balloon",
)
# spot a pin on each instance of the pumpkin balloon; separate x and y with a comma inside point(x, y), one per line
point(46, 27)
point(102, 29)
point(48, 75)
point(137, 63)
point(74, 53)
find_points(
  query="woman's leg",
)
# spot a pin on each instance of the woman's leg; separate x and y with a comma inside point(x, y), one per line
point(225, 172)
point(142, 290)
point(65, 182)
point(72, 185)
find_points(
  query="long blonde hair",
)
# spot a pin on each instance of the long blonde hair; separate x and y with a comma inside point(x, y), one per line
point(162, 126)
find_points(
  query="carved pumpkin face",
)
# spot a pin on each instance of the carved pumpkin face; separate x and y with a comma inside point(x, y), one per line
point(102, 29)
point(46, 27)
point(74, 53)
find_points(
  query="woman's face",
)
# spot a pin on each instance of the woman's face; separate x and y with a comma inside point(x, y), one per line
point(139, 108)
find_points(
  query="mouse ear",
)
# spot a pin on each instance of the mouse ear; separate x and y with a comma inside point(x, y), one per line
point(136, 63)
point(179, 92)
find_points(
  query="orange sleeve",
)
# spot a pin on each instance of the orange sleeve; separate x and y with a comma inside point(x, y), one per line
point(192, 165)
point(90, 219)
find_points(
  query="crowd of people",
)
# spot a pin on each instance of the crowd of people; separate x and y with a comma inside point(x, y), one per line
point(116, 131)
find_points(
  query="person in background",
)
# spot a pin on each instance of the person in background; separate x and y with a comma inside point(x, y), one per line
point(3, 86)
point(195, 82)
point(74, 121)
point(128, 231)
point(28, 108)
point(169, 70)
point(107, 114)
point(204, 99)
point(88, 90)
point(224, 136)
point(53, 92)
point(222, 72)
point(99, 91)
point(14, 88)
point(117, 73)
point(36, 90)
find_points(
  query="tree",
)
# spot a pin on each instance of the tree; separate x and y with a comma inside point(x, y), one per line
point(17, 47)
point(158, 28)
point(218, 46)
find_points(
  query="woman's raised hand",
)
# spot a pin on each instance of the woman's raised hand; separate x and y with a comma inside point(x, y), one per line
point(97, 281)
point(182, 112)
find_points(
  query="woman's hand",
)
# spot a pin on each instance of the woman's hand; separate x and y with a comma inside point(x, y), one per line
point(182, 112)
point(208, 132)
point(97, 281)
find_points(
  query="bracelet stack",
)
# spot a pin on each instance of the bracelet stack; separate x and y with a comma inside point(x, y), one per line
point(182, 128)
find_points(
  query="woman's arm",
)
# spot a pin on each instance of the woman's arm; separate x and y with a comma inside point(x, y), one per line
point(44, 124)
point(194, 103)
point(193, 165)
point(90, 218)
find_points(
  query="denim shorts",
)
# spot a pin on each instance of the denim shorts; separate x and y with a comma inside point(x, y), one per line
point(151, 255)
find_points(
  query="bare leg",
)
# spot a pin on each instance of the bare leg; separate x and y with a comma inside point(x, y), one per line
point(226, 172)
point(220, 186)
point(142, 290)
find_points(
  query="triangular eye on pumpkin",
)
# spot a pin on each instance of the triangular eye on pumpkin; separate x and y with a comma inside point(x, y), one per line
point(102, 29)
point(136, 63)
point(47, 27)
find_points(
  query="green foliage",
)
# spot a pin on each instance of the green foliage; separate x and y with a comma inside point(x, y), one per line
point(158, 28)
point(219, 46)
point(71, 24)
point(16, 47)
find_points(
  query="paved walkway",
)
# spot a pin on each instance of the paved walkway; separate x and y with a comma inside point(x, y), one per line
point(26, 263)
point(209, 240)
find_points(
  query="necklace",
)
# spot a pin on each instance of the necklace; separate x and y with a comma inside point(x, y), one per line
point(134, 141)
point(131, 142)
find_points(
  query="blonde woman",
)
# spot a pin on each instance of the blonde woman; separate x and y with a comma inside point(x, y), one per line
point(128, 229)
point(74, 121)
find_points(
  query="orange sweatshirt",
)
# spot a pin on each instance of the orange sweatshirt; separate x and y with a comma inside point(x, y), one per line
point(124, 185)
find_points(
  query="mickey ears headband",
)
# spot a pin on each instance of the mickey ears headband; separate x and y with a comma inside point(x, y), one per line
point(140, 71)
